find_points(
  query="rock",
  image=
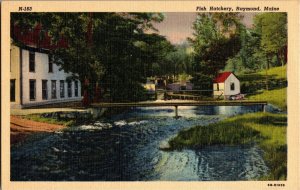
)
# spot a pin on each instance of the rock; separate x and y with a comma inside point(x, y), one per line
point(272, 109)
point(164, 145)
point(55, 149)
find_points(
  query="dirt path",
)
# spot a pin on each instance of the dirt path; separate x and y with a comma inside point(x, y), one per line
point(20, 128)
point(28, 111)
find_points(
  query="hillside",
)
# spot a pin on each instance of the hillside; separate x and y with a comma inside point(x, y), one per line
point(254, 85)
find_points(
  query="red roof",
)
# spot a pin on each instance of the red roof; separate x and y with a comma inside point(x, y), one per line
point(37, 37)
point(222, 77)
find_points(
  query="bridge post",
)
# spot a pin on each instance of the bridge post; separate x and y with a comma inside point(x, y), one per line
point(176, 112)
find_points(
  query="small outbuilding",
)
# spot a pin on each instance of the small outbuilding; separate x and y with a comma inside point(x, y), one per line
point(177, 87)
point(225, 85)
point(150, 87)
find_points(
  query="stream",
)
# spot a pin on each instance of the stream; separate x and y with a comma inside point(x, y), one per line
point(125, 147)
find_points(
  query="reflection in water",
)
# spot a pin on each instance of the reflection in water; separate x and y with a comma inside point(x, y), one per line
point(126, 148)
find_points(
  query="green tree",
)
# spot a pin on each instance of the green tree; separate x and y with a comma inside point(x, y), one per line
point(215, 39)
point(154, 49)
point(272, 27)
point(250, 58)
point(179, 61)
point(102, 47)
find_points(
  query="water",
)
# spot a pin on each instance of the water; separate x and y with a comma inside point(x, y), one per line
point(126, 148)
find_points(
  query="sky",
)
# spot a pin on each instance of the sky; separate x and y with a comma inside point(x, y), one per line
point(178, 26)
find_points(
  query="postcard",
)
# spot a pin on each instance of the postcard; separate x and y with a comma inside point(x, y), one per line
point(150, 94)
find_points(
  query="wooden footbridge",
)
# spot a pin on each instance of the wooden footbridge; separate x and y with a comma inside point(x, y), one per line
point(177, 104)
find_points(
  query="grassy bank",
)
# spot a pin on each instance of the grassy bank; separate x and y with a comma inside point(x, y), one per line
point(276, 97)
point(254, 85)
point(268, 130)
point(53, 120)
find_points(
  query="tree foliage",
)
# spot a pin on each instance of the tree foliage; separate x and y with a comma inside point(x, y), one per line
point(215, 39)
point(119, 51)
point(154, 50)
point(111, 49)
point(272, 27)
point(262, 46)
point(179, 61)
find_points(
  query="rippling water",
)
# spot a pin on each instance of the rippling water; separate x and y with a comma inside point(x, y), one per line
point(126, 148)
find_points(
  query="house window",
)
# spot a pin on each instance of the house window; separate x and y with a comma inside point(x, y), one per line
point(69, 88)
point(32, 89)
point(13, 90)
point(232, 87)
point(76, 88)
point(53, 89)
point(50, 63)
point(62, 89)
point(44, 90)
point(31, 62)
point(182, 87)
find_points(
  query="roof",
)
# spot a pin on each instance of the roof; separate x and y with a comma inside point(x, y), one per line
point(36, 37)
point(222, 77)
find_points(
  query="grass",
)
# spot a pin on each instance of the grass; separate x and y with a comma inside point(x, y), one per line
point(255, 86)
point(274, 73)
point(266, 129)
point(277, 97)
point(40, 118)
point(278, 72)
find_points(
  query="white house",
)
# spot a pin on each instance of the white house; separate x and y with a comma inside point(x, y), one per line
point(149, 86)
point(36, 80)
point(225, 85)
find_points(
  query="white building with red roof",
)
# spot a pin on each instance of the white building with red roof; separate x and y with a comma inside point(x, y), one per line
point(34, 78)
point(225, 85)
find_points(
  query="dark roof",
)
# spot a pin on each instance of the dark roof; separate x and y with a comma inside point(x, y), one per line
point(222, 77)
